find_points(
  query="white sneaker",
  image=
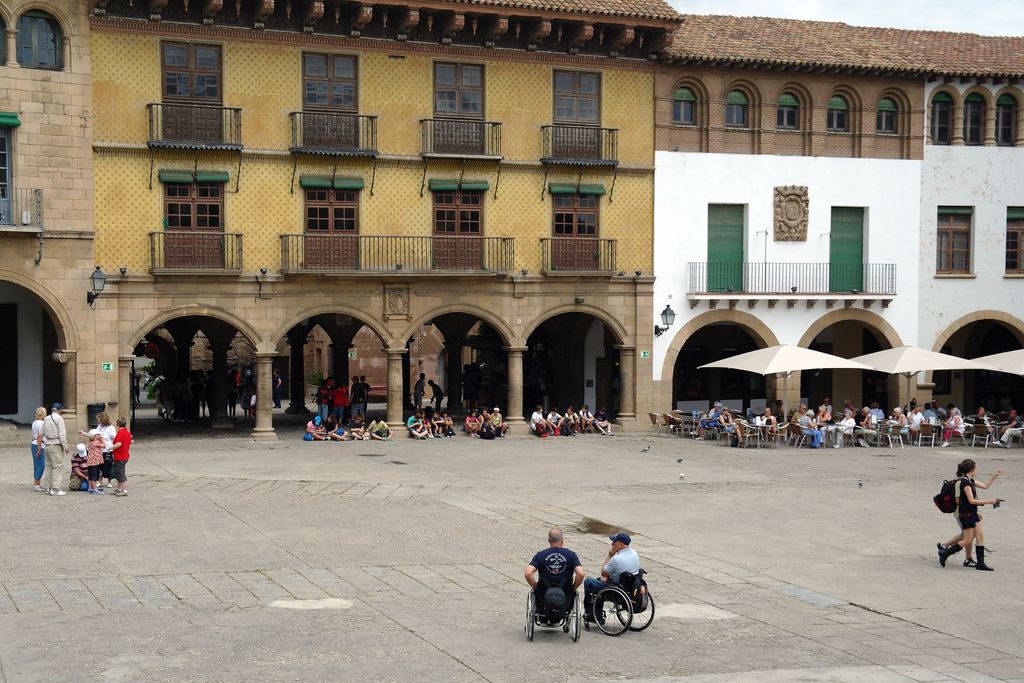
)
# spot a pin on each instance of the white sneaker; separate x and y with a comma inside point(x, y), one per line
point(945, 444)
point(57, 492)
point(39, 488)
point(835, 445)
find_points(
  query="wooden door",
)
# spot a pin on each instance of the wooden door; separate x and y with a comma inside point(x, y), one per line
point(725, 248)
point(846, 250)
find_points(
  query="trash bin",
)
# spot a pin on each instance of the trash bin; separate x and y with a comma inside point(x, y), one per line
point(94, 409)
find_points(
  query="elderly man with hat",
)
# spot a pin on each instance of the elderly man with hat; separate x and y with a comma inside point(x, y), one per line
point(621, 559)
point(55, 437)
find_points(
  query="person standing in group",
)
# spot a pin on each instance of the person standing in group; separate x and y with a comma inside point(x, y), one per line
point(436, 395)
point(277, 382)
point(340, 402)
point(55, 442)
point(969, 518)
point(417, 391)
point(366, 393)
point(122, 444)
point(357, 398)
point(38, 450)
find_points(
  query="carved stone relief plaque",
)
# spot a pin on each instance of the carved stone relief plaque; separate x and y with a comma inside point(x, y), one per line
point(791, 208)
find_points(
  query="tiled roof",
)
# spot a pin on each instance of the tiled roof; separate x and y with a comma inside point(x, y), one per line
point(640, 9)
point(833, 44)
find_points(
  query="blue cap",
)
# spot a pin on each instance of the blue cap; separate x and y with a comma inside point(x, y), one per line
point(621, 538)
point(57, 406)
point(316, 420)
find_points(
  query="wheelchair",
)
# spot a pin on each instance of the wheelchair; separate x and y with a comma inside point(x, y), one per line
point(625, 606)
point(570, 618)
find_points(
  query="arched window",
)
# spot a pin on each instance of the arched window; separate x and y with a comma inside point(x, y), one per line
point(787, 116)
point(942, 118)
point(3, 40)
point(39, 41)
point(974, 119)
point(1006, 120)
point(736, 104)
point(885, 119)
point(837, 110)
point(684, 107)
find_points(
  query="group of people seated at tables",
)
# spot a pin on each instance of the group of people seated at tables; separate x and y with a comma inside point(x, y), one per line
point(865, 425)
point(571, 423)
point(485, 424)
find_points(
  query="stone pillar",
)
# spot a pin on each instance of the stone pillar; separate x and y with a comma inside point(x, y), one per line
point(957, 137)
point(297, 371)
point(396, 384)
point(264, 428)
point(989, 129)
point(627, 384)
point(515, 385)
point(69, 359)
point(218, 400)
point(10, 47)
point(124, 389)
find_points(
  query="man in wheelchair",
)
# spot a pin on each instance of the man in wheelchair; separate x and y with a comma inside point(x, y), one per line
point(554, 574)
point(621, 566)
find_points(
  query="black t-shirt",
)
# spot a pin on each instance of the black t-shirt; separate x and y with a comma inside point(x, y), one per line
point(964, 505)
point(555, 564)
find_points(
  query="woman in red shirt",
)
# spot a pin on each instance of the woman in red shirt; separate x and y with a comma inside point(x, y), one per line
point(122, 443)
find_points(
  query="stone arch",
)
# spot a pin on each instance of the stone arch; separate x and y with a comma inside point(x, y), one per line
point(243, 326)
point(618, 329)
point(1013, 323)
point(897, 95)
point(805, 119)
point(495, 322)
point(752, 324)
point(324, 309)
point(855, 106)
point(872, 320)
point(59, 14)
point(747, 87)
point(7, 17)
point(981, 90)
point(67, 332)
point(698, 86)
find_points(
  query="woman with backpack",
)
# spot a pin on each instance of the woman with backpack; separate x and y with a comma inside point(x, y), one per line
point(968, 517)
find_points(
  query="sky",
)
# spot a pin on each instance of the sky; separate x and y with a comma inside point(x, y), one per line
point(988, 17)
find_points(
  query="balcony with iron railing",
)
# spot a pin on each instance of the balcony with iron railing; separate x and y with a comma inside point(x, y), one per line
point(321, 132)
point(195, 251)
point(194, 126)
point(578, 255)
point(21, 210)
point(460, 138)
point(342, 253)
point(771, 280)
point(580, 145)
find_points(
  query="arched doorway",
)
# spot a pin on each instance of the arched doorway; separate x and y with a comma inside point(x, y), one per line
point(694, 389)
point(575, 359)
point(34, 375)
point(997, 391)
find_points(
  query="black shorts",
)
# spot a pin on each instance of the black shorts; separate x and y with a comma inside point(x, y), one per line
point(968, 520)
point(108, 463)
point(94, 472)
point(118, 471)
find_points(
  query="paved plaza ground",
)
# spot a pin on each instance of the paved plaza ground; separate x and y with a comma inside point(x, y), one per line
point(402, 561)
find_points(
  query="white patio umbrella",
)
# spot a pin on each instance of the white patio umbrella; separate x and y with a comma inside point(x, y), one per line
point(910, 360)
point(785, 359)
point(1011, 362)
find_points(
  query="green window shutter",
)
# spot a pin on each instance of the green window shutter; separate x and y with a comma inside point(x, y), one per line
point(315, 182)
point(443, 185)
point(885, 104)
point(837, 102)
point(1003, 101)
point(9, 120)
point(974, 97)
point(684, 95)
point(475, 185)
point(957, 210)
point(1015, 213)
point(170, 176)
point(942, 97)
point(597, 189)
point(787, 100)
point(212, 177)
point(846, 250)
point(736, 97)
point(725, 247)
point(349, 184)
point(561, 188)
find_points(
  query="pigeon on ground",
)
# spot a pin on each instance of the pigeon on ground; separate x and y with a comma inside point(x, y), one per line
point(645, 449)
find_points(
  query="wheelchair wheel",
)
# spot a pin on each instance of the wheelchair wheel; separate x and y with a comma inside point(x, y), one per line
point(612, 611)
point(642, 620)
point(575, 618)
point(531, 614)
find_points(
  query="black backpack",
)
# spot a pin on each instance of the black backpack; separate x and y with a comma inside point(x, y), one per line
point(555, 605)
point(946, 498)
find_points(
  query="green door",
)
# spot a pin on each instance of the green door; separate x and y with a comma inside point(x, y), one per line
point(725, 248)
point(846, 250)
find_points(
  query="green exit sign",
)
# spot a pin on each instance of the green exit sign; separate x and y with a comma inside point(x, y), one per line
point(351, 355)
point(107, 367)
point(645, 354)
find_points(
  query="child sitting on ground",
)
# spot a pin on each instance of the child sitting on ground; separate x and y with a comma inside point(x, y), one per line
point(357, 430)
point(314, 432)
point(380, 431)
point(334, 431)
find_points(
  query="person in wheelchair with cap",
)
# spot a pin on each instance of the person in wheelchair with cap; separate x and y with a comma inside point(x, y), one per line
point(554, 574)
point(621, 559)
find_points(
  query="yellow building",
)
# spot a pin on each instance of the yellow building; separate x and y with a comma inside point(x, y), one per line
point(263, 171)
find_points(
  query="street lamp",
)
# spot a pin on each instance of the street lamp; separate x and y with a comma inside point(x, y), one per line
point(98, 280)
point(668, 316)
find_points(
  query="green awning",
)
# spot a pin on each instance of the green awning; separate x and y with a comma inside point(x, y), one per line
point(9, 120)
point(736, 97)
point(349, 184)
point(437, 185)
point(885, 104)
point(212, 177)
point(974, 97)
point(957, 210)
point(476, 185)
point(838, 102)
point(568, 188)
point(1015, 213)
point(1003, 101)
point(684, 95)
point(171, 176)
point(942, 97)
point(787, 100)
point(315, 182)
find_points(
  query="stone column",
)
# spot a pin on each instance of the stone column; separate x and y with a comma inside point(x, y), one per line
point(627, 383)
point(124, 388)
point(218, 400)
point(70, 399)
point(957, 137)
point(10, 48)
point(297, 371)
point(989, 129)
point(515, 385)
point(395, 386)
point(264, 428)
